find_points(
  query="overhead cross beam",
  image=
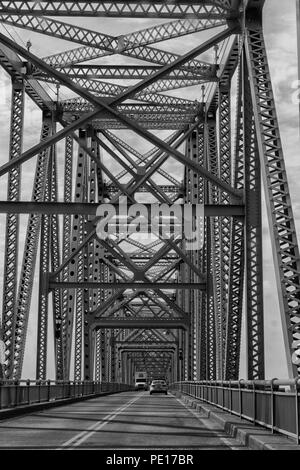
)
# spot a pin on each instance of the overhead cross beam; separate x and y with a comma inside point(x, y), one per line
point(133, 323)
point(127, 285)
point(117, 8)
point(109, 44)
point(128, 72)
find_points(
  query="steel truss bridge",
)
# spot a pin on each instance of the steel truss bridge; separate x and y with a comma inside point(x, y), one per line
point(156, 119)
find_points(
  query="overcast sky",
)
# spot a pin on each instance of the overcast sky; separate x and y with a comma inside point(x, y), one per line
point(280, 32)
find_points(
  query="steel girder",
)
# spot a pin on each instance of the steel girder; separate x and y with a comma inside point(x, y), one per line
point(187, 275)
point(13, 65)
point(194, 190)
point(109, 44)
point(141, 348)
point(55, 262)
point(253, 243)
point(30, 253)
point(94, 271)
point(214, 261)
point(139, 322)
point(279, 206)
point(12, 229)
point(97, 373)
point(75, 268)
point(237, 252)
point(225, 164)
point(63, 331)
point(150, 54)
point(44, 267)
point(129, 9)
point(128, 72)
point(84, 296)
point(203, 266)
point(49, 257)
point(149, 96)
point(69, 32)
point(128, 285)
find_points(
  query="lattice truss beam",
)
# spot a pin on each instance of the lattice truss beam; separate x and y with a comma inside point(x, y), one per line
point(143, 122)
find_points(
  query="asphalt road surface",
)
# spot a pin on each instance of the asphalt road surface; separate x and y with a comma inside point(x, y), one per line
point(131, 420)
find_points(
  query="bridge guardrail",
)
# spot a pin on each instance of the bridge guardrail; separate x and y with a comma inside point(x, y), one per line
point(273, 404)
point(14, 393)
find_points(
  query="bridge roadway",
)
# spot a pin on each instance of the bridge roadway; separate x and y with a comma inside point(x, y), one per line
point(131, 420)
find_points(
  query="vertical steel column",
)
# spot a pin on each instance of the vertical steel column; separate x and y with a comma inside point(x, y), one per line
point(92, 256)
point(103, 294)
point(182, 342)
point(224, 113)
point(98, 356)
point(100, 268)
point(186, 271)
point(88, 268)
point(280, 214)
point(103, 361)
point(118, 363)
point(108, 358)
point(129, 366)
point(214, 330)
point(2, 354)
point(203, 296)
point(113, 356)
point(186, 336)
point(237, 252)
point(75, 268)
point(194, 195)
point(67, 232)
point(298, 38)
point(84, 309)
point(253, 234)
point(12, 230)
point(44, 268)
point(179, 301)
point(55, 264)
point(30, 251)
point(121, 366)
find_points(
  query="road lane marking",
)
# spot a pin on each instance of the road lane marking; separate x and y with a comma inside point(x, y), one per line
point(226, 441)
point(75, 441)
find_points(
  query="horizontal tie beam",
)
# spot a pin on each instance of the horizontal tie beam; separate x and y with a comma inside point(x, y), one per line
point(74, 208)
point(127, 285)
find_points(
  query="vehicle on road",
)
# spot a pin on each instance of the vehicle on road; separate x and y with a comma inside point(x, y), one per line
point(158, 386)
point(141, 382)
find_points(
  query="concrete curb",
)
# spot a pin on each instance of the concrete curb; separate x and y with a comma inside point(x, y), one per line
point(27, 409)
point(253, 436)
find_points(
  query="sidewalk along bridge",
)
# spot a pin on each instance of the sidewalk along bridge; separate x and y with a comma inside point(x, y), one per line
point(129, 126)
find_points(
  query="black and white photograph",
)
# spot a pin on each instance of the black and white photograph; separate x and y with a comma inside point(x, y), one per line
point(149, 230)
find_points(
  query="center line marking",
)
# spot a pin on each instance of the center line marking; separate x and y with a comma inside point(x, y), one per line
point(84, 435)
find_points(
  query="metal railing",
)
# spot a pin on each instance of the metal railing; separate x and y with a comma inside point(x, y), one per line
point(27, 392)
point(273, 404)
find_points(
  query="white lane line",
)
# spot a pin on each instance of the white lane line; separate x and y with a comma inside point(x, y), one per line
point(75, 441)
point(229, 442)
